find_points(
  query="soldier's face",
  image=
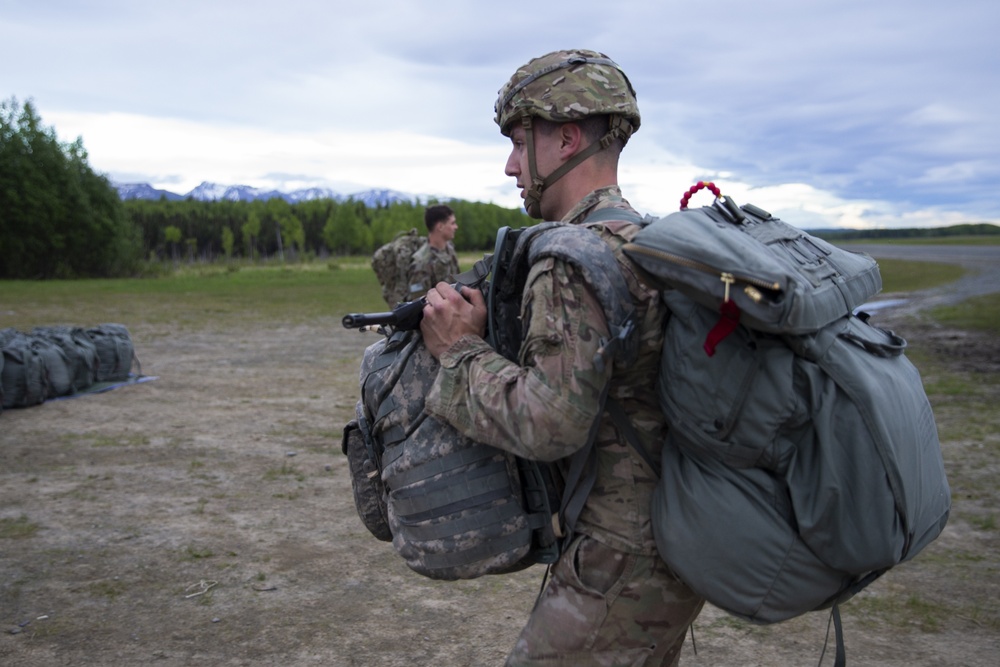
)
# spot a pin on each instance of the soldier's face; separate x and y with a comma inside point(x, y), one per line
point(518, 162)
point(448, 228)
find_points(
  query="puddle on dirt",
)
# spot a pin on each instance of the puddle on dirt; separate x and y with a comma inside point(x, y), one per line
point(873, 306)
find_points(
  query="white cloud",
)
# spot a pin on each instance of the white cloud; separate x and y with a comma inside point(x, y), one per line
point(847, 112)
point(179, 154)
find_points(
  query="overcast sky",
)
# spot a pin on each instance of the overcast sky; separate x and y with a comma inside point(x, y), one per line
point(874, 113)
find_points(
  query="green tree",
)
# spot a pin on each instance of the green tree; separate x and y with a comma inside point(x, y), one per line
point(172, 235)
point(342, 228)
point(58, 218)
point(250, 230)
point(292, 231)
point(227, 242)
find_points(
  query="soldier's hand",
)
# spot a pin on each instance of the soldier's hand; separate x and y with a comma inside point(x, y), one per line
point(449, 315)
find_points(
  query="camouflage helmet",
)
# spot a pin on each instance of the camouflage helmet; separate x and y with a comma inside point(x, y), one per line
point(569, 85)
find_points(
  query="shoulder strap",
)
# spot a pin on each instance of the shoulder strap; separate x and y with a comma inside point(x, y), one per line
point(516, 252)
point(594, 260)
point(609, 214)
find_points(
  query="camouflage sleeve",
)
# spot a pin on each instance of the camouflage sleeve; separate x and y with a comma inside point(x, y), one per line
point(542, 408)
point(445, 265)
point(453, 269)
point(428, 268)
point(420, 276)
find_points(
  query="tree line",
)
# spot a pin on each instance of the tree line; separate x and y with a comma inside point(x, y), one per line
point(965, 229)
point(272, 228)
point(60, 219)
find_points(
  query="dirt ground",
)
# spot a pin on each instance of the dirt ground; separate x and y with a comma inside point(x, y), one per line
point(206, 518)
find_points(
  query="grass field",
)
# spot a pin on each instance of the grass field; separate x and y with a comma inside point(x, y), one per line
point(198, 294)
point(905, 276)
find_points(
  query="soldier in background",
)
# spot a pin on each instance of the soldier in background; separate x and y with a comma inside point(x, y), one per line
point(611, 599)
point(435, 261)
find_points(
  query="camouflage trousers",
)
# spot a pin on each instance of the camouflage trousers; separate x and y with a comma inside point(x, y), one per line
point(606, 608)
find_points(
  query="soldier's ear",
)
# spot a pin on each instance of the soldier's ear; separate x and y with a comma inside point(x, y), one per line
point(571, 140)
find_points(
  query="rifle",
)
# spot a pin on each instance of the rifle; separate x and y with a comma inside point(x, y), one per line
point(406, 316)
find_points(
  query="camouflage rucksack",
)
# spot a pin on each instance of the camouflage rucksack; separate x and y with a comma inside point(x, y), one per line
point(454, 508)
point(391, 262)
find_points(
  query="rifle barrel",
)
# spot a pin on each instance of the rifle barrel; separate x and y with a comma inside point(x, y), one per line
point(358, 320)
point(405, 316)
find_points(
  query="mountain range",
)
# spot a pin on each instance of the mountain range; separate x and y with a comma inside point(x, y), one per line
point(215, 192)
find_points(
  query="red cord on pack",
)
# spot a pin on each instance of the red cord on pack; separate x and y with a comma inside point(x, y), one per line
point(700, 185)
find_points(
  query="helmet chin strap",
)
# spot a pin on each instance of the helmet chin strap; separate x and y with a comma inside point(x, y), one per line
point(618, 128)
point(533, 197)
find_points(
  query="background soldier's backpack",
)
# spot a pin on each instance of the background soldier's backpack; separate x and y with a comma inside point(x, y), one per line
point(391, 263)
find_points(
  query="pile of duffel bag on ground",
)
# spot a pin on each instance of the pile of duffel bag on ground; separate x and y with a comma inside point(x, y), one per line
point(59, 361)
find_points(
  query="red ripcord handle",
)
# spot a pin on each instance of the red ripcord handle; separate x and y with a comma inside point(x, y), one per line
point(729, 312)
point(700, 185)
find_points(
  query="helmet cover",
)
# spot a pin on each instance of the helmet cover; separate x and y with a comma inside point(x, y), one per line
point(565, 86)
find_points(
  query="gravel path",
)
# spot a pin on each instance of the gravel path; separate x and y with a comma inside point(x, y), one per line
point(983, 277)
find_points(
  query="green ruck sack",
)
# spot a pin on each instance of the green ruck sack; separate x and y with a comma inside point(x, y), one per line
point(391, 263)
point(803, 459)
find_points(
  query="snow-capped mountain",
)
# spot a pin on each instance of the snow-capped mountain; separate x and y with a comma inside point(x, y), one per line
point(216, 192)
point(373, 198)
point(143, 191)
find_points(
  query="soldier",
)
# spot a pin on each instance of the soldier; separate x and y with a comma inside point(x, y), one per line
point(435, 261)
point(611, 599)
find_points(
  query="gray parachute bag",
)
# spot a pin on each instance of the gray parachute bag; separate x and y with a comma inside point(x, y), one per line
point(802, 459)
point(79, 352)
point(23, 382)
point(56, 366)
point(115, 352)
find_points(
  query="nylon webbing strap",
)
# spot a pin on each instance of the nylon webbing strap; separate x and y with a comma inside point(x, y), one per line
point(390, 453)
point(484, 550)
point(474, 277)
point(612, 213)
point(478, 521)
point(582, 474)
point(447, 463)
point(425, 499)
point(385, 408)
point(627, 428)
point(838, 627)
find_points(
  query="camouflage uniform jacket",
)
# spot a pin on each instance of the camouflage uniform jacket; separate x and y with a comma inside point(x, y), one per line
point(543, 407)
point(428, 267)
